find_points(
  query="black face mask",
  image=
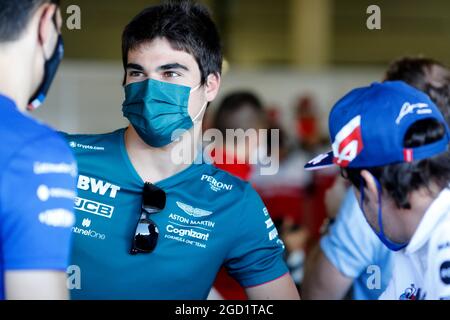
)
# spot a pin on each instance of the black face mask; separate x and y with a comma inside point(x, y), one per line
point(50, 68)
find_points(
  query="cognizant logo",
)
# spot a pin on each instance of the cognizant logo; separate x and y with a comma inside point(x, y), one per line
point(89, 233)
point(187, 232)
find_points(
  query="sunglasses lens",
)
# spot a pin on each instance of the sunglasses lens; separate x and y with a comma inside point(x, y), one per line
point(146, 237)
point(154, 199)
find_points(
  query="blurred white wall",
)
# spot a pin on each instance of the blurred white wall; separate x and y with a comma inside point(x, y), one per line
point(87, 96)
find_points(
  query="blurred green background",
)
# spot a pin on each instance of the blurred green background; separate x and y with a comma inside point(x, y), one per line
point(279, 49)
point(311, 33)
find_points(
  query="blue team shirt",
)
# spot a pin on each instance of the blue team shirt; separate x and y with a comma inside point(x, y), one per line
point(355, 250)
point(37, 190)
point(211, 219)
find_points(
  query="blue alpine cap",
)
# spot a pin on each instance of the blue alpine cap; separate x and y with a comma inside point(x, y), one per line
point(368, 125)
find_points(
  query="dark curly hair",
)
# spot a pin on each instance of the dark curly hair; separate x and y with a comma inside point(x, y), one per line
point(416, 71)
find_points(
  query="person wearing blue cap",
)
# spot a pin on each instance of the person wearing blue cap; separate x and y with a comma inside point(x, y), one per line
point(350, 258)
point(37, 168)
point(391, 142)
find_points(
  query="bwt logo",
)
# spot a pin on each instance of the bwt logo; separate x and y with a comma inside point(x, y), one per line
point(93, 207)
point(97, 186)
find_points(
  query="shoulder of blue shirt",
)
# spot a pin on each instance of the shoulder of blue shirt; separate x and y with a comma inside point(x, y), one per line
point(19, 131)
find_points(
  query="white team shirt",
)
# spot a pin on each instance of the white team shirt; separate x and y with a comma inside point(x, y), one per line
point(422, 269)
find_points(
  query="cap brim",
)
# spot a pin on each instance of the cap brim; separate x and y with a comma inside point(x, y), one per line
point(322, 161)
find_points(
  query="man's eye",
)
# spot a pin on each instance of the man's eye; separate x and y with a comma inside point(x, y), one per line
point(171, 74)
point(135, 73)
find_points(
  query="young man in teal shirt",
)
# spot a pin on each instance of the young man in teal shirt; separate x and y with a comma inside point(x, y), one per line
point(148, 227)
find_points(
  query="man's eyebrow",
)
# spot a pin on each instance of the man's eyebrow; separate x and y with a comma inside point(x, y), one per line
point(172, 66)
point(135, 66)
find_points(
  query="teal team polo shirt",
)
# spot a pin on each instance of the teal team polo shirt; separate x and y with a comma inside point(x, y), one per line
point(211, 219)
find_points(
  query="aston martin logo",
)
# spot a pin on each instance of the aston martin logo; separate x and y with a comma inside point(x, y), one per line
point(195, 212)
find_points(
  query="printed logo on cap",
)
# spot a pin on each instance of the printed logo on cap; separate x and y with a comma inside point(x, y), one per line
point(348, 143)
point(407, 108)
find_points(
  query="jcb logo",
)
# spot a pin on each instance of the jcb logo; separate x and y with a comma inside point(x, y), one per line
point(94, 207)
point(97, 186)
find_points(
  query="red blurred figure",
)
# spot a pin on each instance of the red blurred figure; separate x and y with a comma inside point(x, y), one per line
point(307, 124)
point(239, 110)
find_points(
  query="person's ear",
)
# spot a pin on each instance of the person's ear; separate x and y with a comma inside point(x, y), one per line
point(47, 33)
point(371, 188)
point(212, 86)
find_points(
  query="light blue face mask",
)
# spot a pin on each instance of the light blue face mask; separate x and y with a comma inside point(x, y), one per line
point(158, 110)
point(394, 246)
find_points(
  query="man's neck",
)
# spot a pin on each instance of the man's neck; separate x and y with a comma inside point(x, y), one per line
point(156, 164)
point(420, 201)
point(15, 80)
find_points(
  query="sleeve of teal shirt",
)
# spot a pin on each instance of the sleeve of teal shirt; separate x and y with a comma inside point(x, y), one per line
point(257, 254)
point(350, 245)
